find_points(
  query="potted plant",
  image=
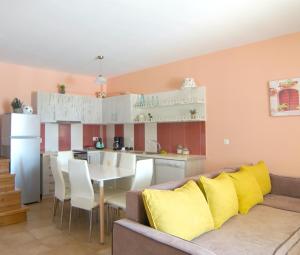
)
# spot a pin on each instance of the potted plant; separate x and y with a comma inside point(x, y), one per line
point(61, 88)
point(193, 113)
point(16, 104)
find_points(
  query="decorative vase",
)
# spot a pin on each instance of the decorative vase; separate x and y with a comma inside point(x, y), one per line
point(18, 110)
point(61, 89)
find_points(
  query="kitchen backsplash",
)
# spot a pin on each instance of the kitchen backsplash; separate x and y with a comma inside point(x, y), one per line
point(140, 136)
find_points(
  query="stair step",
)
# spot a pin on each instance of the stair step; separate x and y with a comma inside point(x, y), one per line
point(7, 188)
point(10, 200)
point(13, 216)
point(4, 165)
point(7, 179)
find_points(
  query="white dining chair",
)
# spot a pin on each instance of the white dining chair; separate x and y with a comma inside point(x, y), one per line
point(127, 161)
point(110, 159)
point(61, 191)
point(63, 157)
point(82, 192)
point(62, 161)
point(141, 180)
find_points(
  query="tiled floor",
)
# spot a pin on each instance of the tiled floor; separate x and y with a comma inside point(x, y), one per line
point(41, 236)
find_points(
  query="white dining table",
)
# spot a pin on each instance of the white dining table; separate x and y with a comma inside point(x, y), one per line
point(100, 173)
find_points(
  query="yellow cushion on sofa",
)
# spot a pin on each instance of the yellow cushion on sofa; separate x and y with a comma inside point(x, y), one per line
point(261, 173)
point(182, 212)
point(247, 190)
point(221, 197)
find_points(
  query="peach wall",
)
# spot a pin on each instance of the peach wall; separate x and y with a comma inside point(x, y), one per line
point(21, 81)
point(237, 101)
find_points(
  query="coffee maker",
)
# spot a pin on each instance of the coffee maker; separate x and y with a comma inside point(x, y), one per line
point(118, 143)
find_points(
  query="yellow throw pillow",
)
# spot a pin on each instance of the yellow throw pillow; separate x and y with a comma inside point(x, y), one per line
point(261, 173)
point(221, 197)
point(247, 190)
point(183, 212)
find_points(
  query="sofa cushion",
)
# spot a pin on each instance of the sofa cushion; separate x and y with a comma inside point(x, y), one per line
point(264, 231)
point(261, 173)
point(183, 212)
point(247, 190)
point(221, 197)
point(282, 202)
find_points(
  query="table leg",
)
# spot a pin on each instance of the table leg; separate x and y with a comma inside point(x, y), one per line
point(101, 211)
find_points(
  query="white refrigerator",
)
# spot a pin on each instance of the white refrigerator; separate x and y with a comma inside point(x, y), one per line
point(20, 141)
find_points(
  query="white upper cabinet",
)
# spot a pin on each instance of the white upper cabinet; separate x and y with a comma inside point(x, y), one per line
point(68, 108)
point(91, 110)
point(108, 110)
point(170, 106)
point(118, 109)
point(45, 106)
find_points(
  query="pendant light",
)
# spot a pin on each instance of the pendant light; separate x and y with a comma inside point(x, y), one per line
point(100, 79)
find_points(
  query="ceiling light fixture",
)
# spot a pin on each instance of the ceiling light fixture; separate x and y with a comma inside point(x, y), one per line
point(100, 79)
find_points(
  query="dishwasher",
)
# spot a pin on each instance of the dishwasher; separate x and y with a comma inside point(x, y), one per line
point(169, 170)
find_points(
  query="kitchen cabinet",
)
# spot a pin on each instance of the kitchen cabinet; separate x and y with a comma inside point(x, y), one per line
point(91, 110)
point(47, 180)
point(68, 107)
point(117, 109)
point(168, 169)
point(45, 106)
point(108, 110)
point(168, 106)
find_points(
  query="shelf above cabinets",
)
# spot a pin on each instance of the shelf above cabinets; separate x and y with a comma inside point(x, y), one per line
point(172, 106)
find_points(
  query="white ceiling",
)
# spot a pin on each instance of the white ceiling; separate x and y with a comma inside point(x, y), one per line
point(134, 34)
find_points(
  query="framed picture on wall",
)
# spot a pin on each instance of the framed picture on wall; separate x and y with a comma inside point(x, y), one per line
point(285, 97)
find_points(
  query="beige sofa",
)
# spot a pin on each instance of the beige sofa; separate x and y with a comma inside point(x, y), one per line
point(270, 228)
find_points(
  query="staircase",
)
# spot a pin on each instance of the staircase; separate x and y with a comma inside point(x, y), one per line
point(11, 210)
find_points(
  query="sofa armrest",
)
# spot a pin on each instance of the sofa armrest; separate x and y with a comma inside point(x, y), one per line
point(132, 238)
point(285, 186)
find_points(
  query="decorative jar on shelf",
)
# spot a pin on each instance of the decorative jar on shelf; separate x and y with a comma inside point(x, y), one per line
point(193, 113)
point(185, 151)
point(179, 149)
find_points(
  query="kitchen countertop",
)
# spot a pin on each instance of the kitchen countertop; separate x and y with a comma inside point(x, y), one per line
point(170, 156)
point(142, 154)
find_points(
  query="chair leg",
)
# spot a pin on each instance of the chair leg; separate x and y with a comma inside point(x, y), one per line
point(112, 218)
point(70, 219)
point(118, 213)
point(54, 207)
point(62, 213)
point(97, 214)
point(91, 223)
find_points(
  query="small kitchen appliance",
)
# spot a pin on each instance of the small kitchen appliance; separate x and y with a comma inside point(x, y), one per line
point(99, 144)
point(118, 143)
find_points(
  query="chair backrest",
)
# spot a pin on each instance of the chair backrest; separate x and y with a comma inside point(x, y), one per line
point(128, 161)
point(81, 186)
point(59, 183)
point(63, 158)
point(110, 159)
point(143, 174)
